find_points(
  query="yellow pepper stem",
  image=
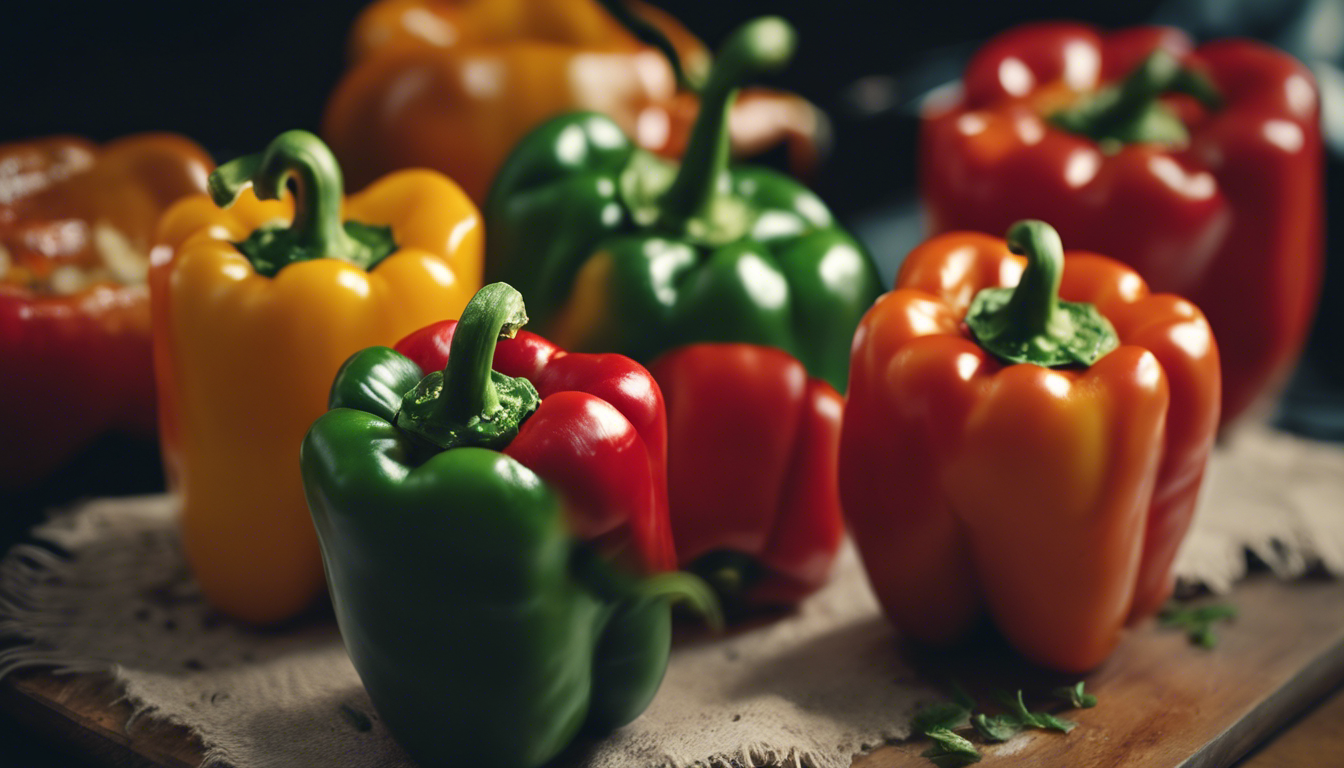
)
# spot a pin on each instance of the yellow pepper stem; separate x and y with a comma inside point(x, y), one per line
point(317, 231)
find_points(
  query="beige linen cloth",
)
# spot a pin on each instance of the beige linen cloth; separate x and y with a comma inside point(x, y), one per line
point(811, 689)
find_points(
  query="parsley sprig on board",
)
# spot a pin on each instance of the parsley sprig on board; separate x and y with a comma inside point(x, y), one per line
point(939, 722)
point(1197, 621)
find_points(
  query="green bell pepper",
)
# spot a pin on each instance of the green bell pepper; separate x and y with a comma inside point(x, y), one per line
point(619, 250)
point(485, 632)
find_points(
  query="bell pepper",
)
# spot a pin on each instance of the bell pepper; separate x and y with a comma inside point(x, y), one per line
point(252, 318)
point(1216, 150)
point(496, 544)
point(1025, 444)
point(454, 85)
point(752, 449)
point(618, 250)
point(76, 225)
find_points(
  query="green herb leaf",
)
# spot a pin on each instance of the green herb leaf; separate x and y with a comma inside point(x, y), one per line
point(1077, 698)
point(1017, 708)
point(1052, 723)
point(946, 715)
point(950, 750)
point(1197, 621)
point(1043, 720)
point(997, 728)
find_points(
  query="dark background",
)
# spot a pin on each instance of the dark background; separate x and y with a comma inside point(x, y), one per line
point(233, 75)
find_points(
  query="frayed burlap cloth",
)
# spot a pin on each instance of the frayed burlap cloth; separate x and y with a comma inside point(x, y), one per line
point(810, 689)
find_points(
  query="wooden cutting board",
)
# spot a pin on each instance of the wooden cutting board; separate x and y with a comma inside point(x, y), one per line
point(1163, 701)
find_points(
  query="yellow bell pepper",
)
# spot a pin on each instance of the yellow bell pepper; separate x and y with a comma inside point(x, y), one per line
point(253, 317)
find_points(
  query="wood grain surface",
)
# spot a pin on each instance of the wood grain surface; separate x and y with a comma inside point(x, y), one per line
point(1315, 738)
point(1163, 702)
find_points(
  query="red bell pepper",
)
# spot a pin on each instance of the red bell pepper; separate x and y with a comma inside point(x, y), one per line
point(1201, 169)
point(1051, 495)
point(752, 448)
point(76, 225)
point(611, 471)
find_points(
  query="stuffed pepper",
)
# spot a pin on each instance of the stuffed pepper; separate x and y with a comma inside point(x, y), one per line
point(1215, 151)
point(619, 250)
point(491, 513)
point(255, 308)
point(76, 225)
point(1025, 438)
point(454, 84)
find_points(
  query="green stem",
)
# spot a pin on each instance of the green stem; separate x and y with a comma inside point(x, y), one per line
point(469, 403)
point(1034, 308)
point(318, 188)
point(1131, 111)
point(495, 312)
point(1028, 323)
point(648, 33)
point(685, 588)
point(762, 45)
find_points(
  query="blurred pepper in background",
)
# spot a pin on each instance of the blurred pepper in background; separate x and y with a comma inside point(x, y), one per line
point(1200, 169)
point(1050, 495)
point(618, 250)
point(252, 318)
point(76, 225)
point(454, 84)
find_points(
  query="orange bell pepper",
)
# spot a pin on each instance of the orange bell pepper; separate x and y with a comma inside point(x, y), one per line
point(252, 320)
point(1052, 496)
point(76, 225)
point(454, 84)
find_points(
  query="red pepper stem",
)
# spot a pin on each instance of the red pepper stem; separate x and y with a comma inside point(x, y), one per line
point(1159, 73)
point(496, 311)
point(1131, 111)
point(762, 45)
point(468, 403)
point(318, 194)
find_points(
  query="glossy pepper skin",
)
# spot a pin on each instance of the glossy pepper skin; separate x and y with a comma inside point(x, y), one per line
point(454, 84)
point(494, 568)
point(76, 225)
point(620, 251)
point(1051, 499)
point(1231, 200)
point(244, 358)
point(753, 444)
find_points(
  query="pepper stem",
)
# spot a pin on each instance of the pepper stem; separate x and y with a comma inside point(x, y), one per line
point(1029, 324)
point(317, 231)
point(468, 402)
point(731, 575)
point(762, 45)
point(686, 589)
point(1034, 307)
point(648, 33)
point(1130, 112)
